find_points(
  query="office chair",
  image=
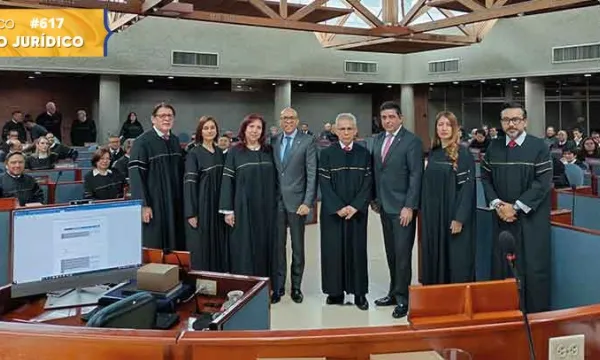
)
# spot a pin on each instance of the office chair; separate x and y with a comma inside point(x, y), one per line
point(574, 175)
point(137, 311)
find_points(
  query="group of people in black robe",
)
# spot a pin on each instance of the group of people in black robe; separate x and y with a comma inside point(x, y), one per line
point(230, 203)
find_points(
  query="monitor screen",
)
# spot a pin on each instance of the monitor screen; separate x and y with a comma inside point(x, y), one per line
point(57, 248)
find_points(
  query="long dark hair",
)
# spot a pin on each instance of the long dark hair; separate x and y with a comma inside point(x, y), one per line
point(244, 125)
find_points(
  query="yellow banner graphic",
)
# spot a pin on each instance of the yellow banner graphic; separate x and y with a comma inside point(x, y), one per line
point(54, 32)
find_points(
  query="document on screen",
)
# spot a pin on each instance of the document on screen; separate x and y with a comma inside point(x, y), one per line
point(80, 247)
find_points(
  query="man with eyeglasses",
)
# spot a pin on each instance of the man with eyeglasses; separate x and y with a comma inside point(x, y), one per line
point(156, 178)
point(516, 174)
point(295, 157)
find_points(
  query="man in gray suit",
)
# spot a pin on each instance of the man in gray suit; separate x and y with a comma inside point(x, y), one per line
point(398, 167)
point(296, 161)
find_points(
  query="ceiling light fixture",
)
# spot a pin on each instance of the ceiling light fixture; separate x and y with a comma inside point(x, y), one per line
point(171, 77)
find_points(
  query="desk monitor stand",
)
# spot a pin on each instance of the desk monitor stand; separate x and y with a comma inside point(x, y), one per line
point(76, 297)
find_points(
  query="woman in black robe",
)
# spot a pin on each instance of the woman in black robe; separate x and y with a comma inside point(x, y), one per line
point(43, 158)
point(14, 183)
point(448, 209)
point(206, 232)
point(101, 183)
point(131, 128)
point(249, 200)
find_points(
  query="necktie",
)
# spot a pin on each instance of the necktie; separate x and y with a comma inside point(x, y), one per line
point(512, 144)
point(386, 146)
point(347, 148)
point(286, 149)
point(165, 137)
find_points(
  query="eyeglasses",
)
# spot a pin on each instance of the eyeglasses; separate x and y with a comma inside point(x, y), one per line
point(165, 116)
point(515, 120)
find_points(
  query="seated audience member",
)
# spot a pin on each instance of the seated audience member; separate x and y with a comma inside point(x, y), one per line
point(114, 147)
point(563, 141)
point(122, 165)
point(35, 130)
point(480, 141)
point(577, 137)
point(15, 124)
point(224, 143)
point(101, 183)
point(596, 136)
point(551, 138)
point(12, 136)
point(559, 178)
point(492, 133)
point(589, 149)
point(569, 157)
point(63, 151)
point(131, 128)
point(14, 183)
point(42, 158)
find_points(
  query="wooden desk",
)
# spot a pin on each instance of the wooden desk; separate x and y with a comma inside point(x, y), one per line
point(561, 216)
point(24, 310)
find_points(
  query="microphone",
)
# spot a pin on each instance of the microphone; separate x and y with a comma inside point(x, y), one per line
point(573, 193)
point(58, 176)
point(507, 245)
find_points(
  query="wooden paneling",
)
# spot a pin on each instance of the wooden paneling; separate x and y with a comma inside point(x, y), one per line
point(421, 95)
point(69, 92)
point(562, 216)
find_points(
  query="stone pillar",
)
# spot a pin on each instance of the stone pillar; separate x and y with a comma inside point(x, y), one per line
point(535, 103)
point(407, 105)
point(283, 99)
point(109, 107)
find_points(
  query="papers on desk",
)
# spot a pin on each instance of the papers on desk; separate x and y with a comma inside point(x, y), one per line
point(55, 315)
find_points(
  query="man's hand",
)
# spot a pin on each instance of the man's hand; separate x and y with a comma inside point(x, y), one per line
point(351, 211)
point(406, 215)
point(375, 207)
point(193, 221)
point(303, 210)
point(146, 214)
point(506, 212)
point(343, 212)
point(456, 227)
point(230, 219)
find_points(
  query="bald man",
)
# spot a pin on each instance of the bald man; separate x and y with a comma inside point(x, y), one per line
point(296, 161)
point(51, 120)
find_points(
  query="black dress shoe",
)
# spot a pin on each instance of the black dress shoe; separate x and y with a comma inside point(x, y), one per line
point(400, 311)
point(335, 300)
point(386, 301)
point(275, 298)
point(297, 296)
point(361, 302)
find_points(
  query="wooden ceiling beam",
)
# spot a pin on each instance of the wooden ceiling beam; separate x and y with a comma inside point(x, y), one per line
point(273, 23)
point(471, 4)
point(283, 8)
point(390, 11)
point(495, 13)
point(362, 12)
point(260, 5)
point(449, 15)
point(307, 9)
point(412, 13)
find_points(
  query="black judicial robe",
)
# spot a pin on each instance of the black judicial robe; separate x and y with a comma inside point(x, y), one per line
point(345, 179)
point(207, 243)
point(522, 173)
point(156, 177)
point(35, 163)
point(103, 187)
point(448, 195)
point(249, 189)
point(25, 188)
point(122, 166)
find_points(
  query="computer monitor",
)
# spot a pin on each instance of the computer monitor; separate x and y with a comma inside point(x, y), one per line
point(63, 247)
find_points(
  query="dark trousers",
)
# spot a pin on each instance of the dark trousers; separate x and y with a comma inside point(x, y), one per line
point(399, 242)
point(296, 223)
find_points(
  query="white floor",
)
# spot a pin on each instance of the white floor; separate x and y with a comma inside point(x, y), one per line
point(314, 314)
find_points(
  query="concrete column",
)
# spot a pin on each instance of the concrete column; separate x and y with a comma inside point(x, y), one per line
point(109, 107)
point(407, 105)
point(283, 99)
point(508, 92)
point(535, 103)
